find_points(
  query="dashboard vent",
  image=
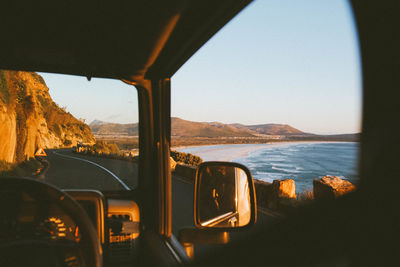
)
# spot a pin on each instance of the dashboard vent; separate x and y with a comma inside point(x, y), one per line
point(122, 246)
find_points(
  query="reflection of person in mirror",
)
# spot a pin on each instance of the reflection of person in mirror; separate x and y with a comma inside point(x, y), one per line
point(243, 197)
point(217, 192)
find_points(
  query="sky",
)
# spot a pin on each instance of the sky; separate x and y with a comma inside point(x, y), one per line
point(279, 61)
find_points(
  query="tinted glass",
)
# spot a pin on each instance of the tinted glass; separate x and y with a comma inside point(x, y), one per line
point(223, 197)
point(68, 131)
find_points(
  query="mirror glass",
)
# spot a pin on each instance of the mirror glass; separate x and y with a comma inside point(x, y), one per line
point(223, 199)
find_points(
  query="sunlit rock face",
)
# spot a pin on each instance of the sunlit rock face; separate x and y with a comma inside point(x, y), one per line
point(172, 163)
point(30, 119)
point(278, 192)
point(331, 187)
point(8, 134)
point(284, 188)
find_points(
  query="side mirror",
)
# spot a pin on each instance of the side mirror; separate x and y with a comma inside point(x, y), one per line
point(224, 196)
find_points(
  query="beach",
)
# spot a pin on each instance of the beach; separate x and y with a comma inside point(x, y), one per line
point(230, 152)
point(300, 161)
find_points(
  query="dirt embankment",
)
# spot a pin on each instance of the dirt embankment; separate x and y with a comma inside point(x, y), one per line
point(30, 119)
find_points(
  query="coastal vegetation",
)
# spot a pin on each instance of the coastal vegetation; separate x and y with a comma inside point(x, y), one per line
point(123, 142)
point(27, 168)
point(111, 150)
point(186, 158)
point(106, 150)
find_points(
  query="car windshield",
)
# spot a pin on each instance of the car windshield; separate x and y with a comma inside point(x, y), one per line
point(278, 90)
point(68, 131)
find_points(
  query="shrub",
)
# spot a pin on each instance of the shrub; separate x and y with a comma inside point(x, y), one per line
point(26, 168)
point(307, 195)
point(6, 166)
point(103, 149)
point(4, 90)
point(56, 129)
point(186, 158)
point(67, 142)
point(38, 78)
point(28, 104)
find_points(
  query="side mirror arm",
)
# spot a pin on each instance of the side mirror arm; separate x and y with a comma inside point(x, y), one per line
point(190, 236)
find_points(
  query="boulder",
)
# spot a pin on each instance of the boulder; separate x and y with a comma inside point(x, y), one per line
point(281, 190)
point(284, 188)
point(263, 191)
point(331, 187)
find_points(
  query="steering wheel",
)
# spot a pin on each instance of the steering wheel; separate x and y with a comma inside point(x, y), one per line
point(27, 247)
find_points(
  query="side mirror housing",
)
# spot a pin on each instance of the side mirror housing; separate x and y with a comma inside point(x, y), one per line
point(224, 196)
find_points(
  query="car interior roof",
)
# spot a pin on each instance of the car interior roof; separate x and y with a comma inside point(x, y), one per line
point(113, 39)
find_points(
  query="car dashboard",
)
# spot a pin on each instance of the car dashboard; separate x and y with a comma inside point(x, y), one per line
point(31, 223)
point(116, 222)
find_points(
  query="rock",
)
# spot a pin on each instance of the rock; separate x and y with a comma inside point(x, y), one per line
point(30, 119)
point(172, 163)
point(284, 188)
point(8, 135)
point(331, 187)
point(263, 191)
point(281, 190)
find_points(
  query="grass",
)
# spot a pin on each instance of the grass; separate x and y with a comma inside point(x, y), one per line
point(38, 78)
point(24, 169)
point(6, 166)
point(307, 195)
point(103, 147)
point(105, 150)
point(4, 90)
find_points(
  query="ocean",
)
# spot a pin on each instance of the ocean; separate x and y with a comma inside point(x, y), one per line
point(300, 161)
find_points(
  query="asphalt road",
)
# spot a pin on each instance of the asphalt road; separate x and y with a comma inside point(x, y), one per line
point(68, 170)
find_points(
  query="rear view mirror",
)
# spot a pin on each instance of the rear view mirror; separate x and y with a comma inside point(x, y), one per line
point(224, 196)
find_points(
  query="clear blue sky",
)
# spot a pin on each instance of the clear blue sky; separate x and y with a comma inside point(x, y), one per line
point(279, 61)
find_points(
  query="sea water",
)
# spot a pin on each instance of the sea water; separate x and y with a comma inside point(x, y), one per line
point(301, 161)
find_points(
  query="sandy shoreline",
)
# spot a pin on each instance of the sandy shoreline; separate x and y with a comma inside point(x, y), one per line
point(230, 152)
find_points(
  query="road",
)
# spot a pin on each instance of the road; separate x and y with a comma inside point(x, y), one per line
point(75, 171)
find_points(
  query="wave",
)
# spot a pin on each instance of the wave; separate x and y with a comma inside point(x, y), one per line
point(285, 170)
point(302, 162)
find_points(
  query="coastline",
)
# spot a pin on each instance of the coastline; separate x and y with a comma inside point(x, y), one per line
point(230, 152)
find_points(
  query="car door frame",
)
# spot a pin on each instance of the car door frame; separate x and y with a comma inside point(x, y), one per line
point(158, 246)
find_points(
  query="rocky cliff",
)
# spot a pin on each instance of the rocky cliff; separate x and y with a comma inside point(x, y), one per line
point(30, 119)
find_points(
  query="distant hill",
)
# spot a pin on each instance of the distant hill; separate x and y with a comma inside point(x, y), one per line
point(185, 128)
point(188, 129)
point(270, 129)
point(114, 129)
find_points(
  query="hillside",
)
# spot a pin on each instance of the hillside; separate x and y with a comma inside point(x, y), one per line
point(30, 119)
point(114, 129)
point(184, 128)
point(270, 129)
point(179, 127)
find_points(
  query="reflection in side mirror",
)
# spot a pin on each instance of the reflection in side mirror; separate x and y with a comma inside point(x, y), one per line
point(224, 196)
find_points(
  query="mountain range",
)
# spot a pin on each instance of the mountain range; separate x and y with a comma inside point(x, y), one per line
point(185, 128)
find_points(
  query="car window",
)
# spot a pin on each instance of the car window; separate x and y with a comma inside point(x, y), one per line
point(278, 89)
point(68, 131)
